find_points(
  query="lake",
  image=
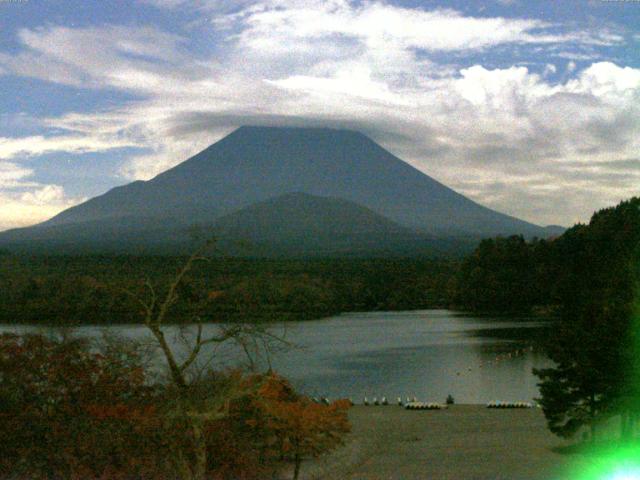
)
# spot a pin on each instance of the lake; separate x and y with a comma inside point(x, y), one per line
point(427, 354)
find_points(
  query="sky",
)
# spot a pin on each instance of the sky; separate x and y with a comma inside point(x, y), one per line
point(528, 107)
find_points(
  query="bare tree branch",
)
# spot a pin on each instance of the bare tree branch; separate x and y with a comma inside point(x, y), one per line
point(147, 307)
point(156, 313)
point(194, 351)
point(148, 313)
point(172, 296)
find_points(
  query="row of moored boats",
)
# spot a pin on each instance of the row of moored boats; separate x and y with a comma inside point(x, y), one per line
point(509, 405)
point(414, 404)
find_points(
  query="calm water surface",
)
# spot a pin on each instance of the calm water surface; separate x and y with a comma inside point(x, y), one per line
point(427, 354)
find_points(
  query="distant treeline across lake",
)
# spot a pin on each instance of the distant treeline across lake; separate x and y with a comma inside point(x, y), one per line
point(503, 275)
point(72, 290)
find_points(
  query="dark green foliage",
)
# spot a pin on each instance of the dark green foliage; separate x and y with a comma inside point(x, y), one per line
point(68, 290)
point(506, 275)
point(594, 346)
point(589, 275)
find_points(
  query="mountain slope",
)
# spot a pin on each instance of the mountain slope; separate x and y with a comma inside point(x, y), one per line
point(254, 164)
point(291, 225)
point(297, 224)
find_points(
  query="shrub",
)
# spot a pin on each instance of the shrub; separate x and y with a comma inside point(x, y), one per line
point(68, 412)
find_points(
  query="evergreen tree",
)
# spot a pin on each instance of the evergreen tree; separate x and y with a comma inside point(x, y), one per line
point(500, 275)
point(594, 347)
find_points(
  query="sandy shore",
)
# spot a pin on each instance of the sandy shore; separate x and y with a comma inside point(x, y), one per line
point(462, 442)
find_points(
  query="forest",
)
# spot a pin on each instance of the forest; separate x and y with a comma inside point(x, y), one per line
point(589, 278)
point(73, 290)
point(595, 343)
point(503, 275)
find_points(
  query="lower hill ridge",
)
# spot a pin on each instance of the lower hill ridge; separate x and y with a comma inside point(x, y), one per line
point(290, 225)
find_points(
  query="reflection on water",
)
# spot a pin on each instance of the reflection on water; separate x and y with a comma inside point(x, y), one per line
point(427, 354)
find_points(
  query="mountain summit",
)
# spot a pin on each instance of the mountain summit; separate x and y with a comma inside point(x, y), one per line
point(255, 164)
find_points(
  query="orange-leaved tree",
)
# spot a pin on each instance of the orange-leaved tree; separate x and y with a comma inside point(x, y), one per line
point(68, 411)
point(295, 426)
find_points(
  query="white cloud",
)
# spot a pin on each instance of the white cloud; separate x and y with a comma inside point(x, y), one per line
point(378, 23)
point(44, 196)
point(577, 56)
point(24, 209)
point(141, 59)
point(24, 202)
point(75, 144)
point(353, 81)
point(607, 80)
point(13, 175)
point(499, 89)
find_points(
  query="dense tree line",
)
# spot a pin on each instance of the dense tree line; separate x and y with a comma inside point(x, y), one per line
point(589, 278)
point(595, 345)
point(68, 290)
point(508, 275)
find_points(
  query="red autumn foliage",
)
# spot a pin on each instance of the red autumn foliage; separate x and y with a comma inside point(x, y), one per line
point(68, 412)
point(273, 424)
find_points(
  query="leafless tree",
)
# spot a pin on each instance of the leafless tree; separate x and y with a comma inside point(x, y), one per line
point(250, 336)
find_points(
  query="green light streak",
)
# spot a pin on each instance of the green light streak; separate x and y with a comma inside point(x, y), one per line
point(621, 462)
point(617, 460)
